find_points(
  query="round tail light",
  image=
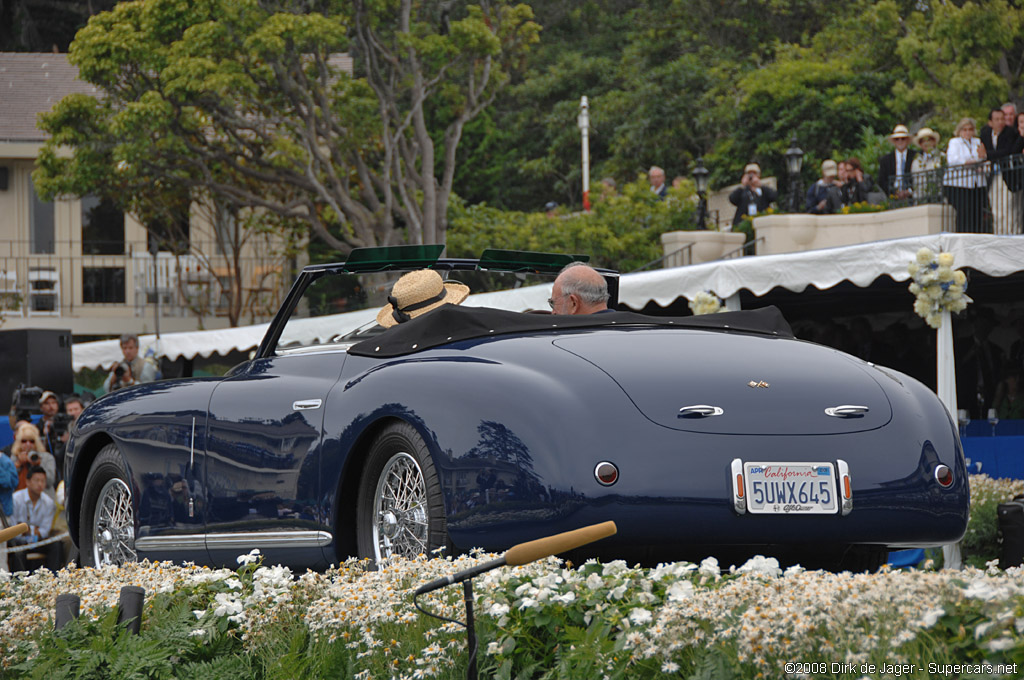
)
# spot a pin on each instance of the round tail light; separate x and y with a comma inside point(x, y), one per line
point(606, 473)
point(943, 475)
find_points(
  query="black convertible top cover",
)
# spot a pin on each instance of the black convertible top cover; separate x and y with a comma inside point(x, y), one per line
point(451, 323)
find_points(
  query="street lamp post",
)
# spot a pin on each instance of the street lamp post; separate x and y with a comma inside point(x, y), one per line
point(700, 179)
point(794, 161)
point(583, 120)
point(154, 250)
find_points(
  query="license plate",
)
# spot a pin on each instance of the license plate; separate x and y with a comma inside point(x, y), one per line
point(790, 488)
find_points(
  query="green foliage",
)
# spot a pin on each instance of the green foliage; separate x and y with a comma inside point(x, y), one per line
point(242, 104)
point(164, 648)
point(734, 82)
point(981, 542)
point(621, 232)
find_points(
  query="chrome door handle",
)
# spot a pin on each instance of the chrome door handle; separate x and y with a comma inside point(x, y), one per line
point(846, 411)
point(307, 404)
point(700, 411)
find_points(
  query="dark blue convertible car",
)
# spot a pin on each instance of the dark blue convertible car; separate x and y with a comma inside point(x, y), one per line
point(476, 427)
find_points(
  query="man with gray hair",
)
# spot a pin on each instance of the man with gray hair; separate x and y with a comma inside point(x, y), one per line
point(657, 178)
point(132, 369)
point(579, 289)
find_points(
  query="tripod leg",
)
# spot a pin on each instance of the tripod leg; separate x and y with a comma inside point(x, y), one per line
point(467, 589)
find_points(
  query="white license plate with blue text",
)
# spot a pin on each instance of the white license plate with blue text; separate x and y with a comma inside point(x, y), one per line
point(790, 488)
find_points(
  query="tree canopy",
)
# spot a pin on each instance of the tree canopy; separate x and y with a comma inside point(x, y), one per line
point(246, 101)
point(734, 82)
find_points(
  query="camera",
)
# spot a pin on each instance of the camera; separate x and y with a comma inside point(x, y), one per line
point(61, 421)
point(119, 375)
point(34, 458)
point(26, 398)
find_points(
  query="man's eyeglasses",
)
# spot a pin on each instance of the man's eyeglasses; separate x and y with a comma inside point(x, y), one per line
point(551, 301)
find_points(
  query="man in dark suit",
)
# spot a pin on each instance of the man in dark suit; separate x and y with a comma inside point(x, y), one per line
point(1000, 141)
point(894, 167)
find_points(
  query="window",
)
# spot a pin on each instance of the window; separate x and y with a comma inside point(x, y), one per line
point(103, 285)
point(41, 232)
point(102, 228)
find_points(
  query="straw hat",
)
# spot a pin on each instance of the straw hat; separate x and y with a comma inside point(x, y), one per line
point(418, 292)
point(900, 132)
point(829, 168)
point(926, 132)
point(752, 167)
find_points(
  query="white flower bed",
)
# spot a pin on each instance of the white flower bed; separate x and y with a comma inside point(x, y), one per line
point(652, 622)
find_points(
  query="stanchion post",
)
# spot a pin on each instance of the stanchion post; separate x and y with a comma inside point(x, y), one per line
point(68, 606)
point(467, 590)
point(129, 608)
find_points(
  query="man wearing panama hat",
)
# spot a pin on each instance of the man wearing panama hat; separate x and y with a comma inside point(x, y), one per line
point(894, 167)
point(417, 293)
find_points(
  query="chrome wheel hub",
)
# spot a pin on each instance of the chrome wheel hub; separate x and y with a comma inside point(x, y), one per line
point(400, 509)
point(113, 525)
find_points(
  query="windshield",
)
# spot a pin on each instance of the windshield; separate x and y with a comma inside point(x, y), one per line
point(339, 308)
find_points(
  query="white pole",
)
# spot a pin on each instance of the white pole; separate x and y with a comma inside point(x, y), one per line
point(944, 364)
point(584, 122)
point(946, 389)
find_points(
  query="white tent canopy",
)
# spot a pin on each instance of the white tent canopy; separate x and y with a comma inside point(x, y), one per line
point(823, 269)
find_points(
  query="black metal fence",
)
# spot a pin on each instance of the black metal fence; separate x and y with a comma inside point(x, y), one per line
point(190, 284)
point(984, 198)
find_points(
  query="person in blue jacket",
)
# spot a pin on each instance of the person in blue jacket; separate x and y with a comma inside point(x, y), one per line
point(8, 483)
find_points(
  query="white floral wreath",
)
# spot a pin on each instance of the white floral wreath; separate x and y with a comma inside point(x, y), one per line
point(939, 288)
point(706, 302)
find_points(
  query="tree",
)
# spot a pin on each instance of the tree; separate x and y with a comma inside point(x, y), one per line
point(247, 102)
point(961, 58)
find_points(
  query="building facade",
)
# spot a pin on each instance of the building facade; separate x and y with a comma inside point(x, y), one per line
point(83, 265)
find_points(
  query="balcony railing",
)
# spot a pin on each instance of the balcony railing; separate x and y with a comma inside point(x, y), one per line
point(193, 284)
point(985, 198)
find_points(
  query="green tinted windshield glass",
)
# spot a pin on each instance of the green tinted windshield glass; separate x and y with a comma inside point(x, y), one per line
point(523, 260)
point(398, 257)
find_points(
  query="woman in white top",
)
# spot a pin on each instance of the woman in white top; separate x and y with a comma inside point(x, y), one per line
point(966, 179)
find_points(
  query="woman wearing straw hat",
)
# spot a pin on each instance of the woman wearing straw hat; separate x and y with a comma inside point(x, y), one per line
point(417, 293)
point(927, 140)
point(928, 161)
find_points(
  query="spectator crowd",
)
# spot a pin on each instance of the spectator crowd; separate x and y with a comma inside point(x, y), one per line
point(979, 174)
point(32, 466)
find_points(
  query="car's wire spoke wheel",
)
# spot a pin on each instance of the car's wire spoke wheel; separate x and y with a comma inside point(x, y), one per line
point(113, 525)
point(400, 507)
point(106, 530)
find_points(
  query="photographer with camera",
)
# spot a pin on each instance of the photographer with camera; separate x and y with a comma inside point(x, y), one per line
point(49, 407)
point(132, 369)
point(28, 452)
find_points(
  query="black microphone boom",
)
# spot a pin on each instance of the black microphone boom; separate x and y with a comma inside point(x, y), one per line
point(460, 576)
point(524, 553)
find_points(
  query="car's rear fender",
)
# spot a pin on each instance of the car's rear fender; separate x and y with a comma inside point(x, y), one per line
point(448, 397)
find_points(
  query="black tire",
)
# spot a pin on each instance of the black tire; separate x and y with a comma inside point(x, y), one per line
point(107, 522)
point(405, 524)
